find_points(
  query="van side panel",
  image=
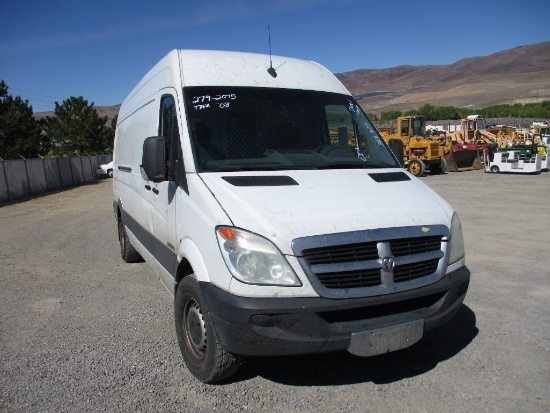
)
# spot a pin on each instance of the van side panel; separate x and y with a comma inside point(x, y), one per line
point(138, 119)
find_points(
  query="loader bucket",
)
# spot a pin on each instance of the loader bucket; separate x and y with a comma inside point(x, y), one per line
point(463, 160)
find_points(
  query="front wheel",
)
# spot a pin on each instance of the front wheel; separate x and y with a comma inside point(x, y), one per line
point(416, 167)
point(202, 354)
point(494, 169)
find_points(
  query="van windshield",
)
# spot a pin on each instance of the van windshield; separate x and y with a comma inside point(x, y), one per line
point(235, 129)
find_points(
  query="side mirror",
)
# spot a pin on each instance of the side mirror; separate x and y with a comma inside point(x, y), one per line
point(153, 161)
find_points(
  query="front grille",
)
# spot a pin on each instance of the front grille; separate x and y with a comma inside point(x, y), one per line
point(339, 265)
point(350, 279)
point(342, 253)
point(400, 247)
point(413, 271)
point(434, 149)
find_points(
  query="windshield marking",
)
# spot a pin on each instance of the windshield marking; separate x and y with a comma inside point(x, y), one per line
point(222, 101)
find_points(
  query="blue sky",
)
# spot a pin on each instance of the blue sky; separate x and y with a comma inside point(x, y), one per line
point(51, 50)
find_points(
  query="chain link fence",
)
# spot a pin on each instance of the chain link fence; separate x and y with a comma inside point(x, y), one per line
point(23, 178)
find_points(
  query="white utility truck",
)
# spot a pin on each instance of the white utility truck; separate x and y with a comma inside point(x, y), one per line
point(270, 207)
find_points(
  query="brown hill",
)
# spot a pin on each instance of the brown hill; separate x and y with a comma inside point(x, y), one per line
point(519, 75)
point(109, 111)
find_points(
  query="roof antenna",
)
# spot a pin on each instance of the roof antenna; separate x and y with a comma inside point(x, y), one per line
point(271, 70)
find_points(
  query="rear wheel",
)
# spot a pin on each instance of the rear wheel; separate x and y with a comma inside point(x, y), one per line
point(443, 165)
point(127, 250)
point(202, 354)
point(438, 168)
point(416, 167)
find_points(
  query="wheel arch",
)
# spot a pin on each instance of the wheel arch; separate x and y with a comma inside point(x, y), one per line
point(184, 269)
point(117, 209)
point(190, 262)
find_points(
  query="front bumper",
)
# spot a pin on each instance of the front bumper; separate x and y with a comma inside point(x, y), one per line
point(290, 326)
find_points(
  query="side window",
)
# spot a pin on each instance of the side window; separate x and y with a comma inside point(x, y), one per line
point(405, 127)
point(340, 125)
point(168, 127)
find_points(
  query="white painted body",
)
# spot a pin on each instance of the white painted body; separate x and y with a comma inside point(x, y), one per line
point(511, 162)
point(324, 201)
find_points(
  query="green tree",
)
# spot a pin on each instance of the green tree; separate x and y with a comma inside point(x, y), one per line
point(391, 115)
point(20, 132)
point(112, 131)
point(3, 89)
point(76, 128)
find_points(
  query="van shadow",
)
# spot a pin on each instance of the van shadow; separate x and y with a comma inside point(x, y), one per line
point(343, 368)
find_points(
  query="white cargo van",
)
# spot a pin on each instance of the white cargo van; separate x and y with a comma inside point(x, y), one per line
point(271, 208)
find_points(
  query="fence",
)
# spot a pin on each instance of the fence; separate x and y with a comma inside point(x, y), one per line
point(23, 178)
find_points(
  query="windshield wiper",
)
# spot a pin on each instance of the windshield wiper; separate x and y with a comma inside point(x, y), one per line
point(249, 168)
point(361, 165)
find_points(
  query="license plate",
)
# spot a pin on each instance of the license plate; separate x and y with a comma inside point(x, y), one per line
point(383, 340)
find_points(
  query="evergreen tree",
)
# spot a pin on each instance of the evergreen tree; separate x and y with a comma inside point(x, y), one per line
point(3, 89)
point(20, 132)
point(76, 128)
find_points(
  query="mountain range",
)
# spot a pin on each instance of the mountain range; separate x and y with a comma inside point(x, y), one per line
point(519, 75)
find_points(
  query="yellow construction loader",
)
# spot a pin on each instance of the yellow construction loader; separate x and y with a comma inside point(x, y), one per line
point(463, 149)
point(411, 145)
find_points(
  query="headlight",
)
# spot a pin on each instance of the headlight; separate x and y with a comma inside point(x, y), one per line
point(253, 259)
point(456, 247)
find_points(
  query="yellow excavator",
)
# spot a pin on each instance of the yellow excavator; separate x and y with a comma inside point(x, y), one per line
point(411, 145)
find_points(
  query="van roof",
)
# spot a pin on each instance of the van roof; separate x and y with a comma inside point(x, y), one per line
point(186, 68)
point(227, 68)
point(224, 68)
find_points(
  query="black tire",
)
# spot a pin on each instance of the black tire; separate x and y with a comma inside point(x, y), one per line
point(202, 354)
point(438, 168)
point(435, 169)
point(396, 146)
point(495, 169)
point(110, 173)
point(416, 167)
point(443, 165)
point(127, 250)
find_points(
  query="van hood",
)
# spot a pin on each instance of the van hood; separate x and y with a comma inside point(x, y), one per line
point(286, 205)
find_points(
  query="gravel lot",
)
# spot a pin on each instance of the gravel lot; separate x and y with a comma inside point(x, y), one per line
point(82, 331)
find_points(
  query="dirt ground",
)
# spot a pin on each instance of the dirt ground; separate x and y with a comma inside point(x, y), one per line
point(82, 331)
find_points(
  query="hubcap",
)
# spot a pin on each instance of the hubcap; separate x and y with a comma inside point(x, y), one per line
point(195, 329)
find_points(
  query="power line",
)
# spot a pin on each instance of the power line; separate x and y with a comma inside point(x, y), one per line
point(39, 102)
point(34, 94)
